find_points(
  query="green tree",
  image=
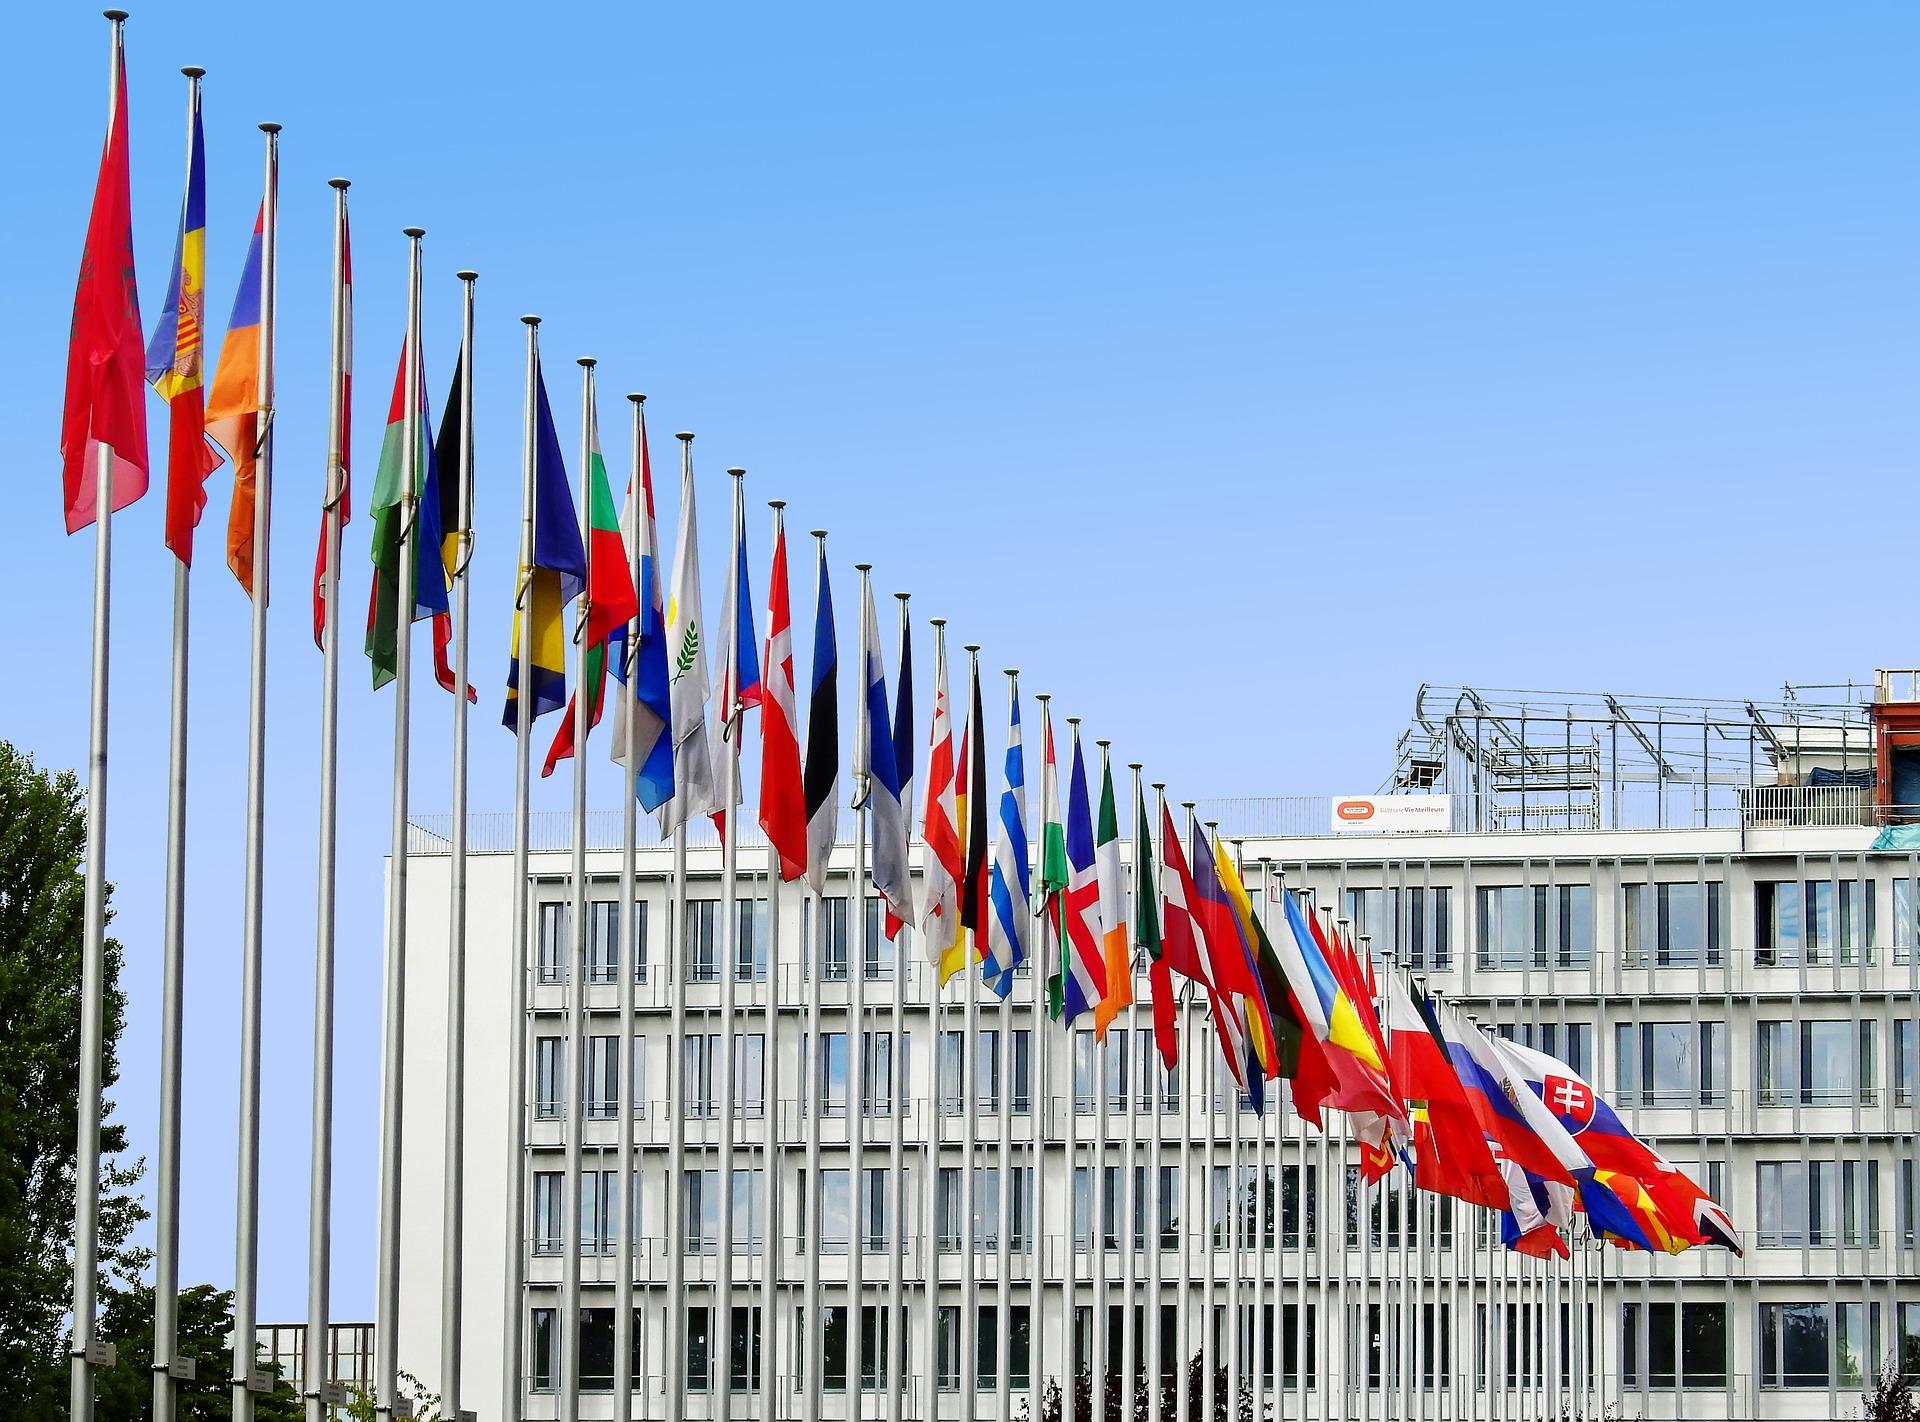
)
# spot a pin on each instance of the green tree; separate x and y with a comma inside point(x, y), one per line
point(42, 923)
point(124, 1392)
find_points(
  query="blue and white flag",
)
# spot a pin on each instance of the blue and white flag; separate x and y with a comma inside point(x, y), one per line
point(876, 769)
point(1010, 888)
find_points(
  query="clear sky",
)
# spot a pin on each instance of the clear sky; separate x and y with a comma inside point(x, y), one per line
point(1230, 369)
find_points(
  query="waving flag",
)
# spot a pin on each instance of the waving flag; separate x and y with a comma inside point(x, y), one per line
point(821, 776)
point(1230, 965)
point(637, 651)
point(940, 891)
point(557, 576)
point(693, 788)
point(1007, 931)
point(903, 748)
point(1148, 933)
point(974, 889)
point(611, 603)
point(783, 801)
point(448, 554)
point(104, 402)
point(1449, 1148)
point(343, 454)
point(1111, 879)
point(953, 952)
point(233, 406)
point(429, 585)
point(175, 357)
point(739, 660)
point(1051, 903)
point(876, 769)
point(1087, 972)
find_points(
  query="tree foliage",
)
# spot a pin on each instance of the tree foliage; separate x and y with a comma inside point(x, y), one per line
point(42, 930)
point(124, 1392)
point(1194, 1408)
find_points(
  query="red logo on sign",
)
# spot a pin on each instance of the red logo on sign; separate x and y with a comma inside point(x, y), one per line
point(1354, 809)
point(1572, 1099)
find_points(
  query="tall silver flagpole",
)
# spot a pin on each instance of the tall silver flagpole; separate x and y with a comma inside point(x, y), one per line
point(1236, 1217)
point(453, 1202)
point(812, 1101)
point(387, 1297)
point(1042, 1095)
point(1003, 1244)
point(575, 1110)
point(896, 1360)
point(969, 1096)
point(513, 1353)
point(1097, 1196)
point(931, 1244)
point(857, 1020)
point(772, 1244)
point(1070, 1256)
point(1134, 1208)
point(1209, 1333)
point(678, 941)
point(733, 718)
point(626, 957)
point(86, 1187)
point(248, 1379)
point(166, 1209)
point(320, 1182)
point(1156, 1360)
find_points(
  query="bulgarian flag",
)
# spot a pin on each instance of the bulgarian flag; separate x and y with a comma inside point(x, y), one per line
point(611, 602)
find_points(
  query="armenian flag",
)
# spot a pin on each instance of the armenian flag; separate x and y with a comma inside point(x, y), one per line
point(233, 405)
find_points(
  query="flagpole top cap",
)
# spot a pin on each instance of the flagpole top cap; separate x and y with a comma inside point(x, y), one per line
point(192, 71)
point(587, 362)
point(776, 504)
point(1213, 824)
point(1188, 804)
point(416, 233)
point(468, 275)
point(341, 183)
point(270, 129)
point(1135, 765)
point(863, 567)
point(973, 649)
point(737, 472)
point(1012, 672)
point(1073, 720)
point(1103, 744)
point(937, 621)
point(1159, 784)
point(819, 533)
point(1043, 696)
point(903, 596)
point(685, 436)
point(531, 320)
point(637, 397)
point(115, 15)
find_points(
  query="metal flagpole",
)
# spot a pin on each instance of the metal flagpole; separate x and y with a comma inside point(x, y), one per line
point(247, 1378)
point(166, 1210)
point(856, 1022)
point(1236, 1220)
point(1210, 1332)
point(733, 721)
point(512, 1353)
point(1048, 956)
point(673, 1359)
point(627, 963)
point(320, 1184)
point(1263, 1202)
point(896, 1332)
point(574, 1112)
point(770, 1057)
point(1188, 1217)
point(1156, 1209)
point(86, 1190)
point(1097, 1202)
point(812, 1101)
point(969, 1069)
point(1131, 1209)
point(387, 1297)
point(453, 1229)
point(1003, 1243)
point(1070, 1308)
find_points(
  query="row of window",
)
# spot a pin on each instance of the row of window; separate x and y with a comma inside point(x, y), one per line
point(1517, 926)
point(1813, 1062)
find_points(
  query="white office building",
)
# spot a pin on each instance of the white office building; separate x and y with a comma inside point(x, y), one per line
point(1709, 908)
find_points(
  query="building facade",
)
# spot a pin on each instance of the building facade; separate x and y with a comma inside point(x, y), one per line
point(1728, 954)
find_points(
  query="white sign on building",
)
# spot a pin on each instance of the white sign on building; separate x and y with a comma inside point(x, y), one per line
point(1396, 814)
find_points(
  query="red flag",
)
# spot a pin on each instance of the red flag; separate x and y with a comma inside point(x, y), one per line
point(783, 801)
point(106, 357)
point(1165, 1012)
point(345, 453)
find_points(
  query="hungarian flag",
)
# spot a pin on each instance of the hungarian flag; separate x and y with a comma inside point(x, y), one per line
point(176, 356)
point(429, 598)
point(610, 599)
point(105, 362)
point(1116, 956)
point(783, 806)
point(1050, 902)
point(1147, 933)
point(940, 890)
point(342, 456)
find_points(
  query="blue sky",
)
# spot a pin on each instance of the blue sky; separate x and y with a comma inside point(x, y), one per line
point(1232, 370)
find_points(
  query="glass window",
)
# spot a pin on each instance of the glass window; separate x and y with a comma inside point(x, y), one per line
point(986, 1209)
point(946, 1208)
point(554, 943)
point(878, 960)
point(835, 1220)
point(951, 1044)
point(986, 1070)
point(749, 1073)
point(750, 941)
point(1664, 1345)
point(700, 1083)
point(637, 1063)
point(873, 1348)
point(1169, 1207)
point(548, 1220)
point(1909, 1344)
point(749, 1208)
point(1020, 1227)
point(873, 1209)
point(1083, 1072)
point(1410, 928)
point(743, 1350)
point(1671, 1063)
point(603, 941)
point(699, 1348)
point(986, 1345)
point(543, 1343)
point(1827, 1063)
point(1903, 1062)
point(876, 1073)
point(1021, 1062)
point(832, 1094)
point(702, 1191)
point(1673, 925)
point(640, 916)
point(1082, 1209)
point(1795, 1343)
point(1536, 926)
point(1116, 1068)
point(1821, 921)
point(1818, 1203)
point(599, 1210)
point(703, 940)
point(603, 1078)
point(831, 941)
point(549, 1077)
point(947, 1348)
